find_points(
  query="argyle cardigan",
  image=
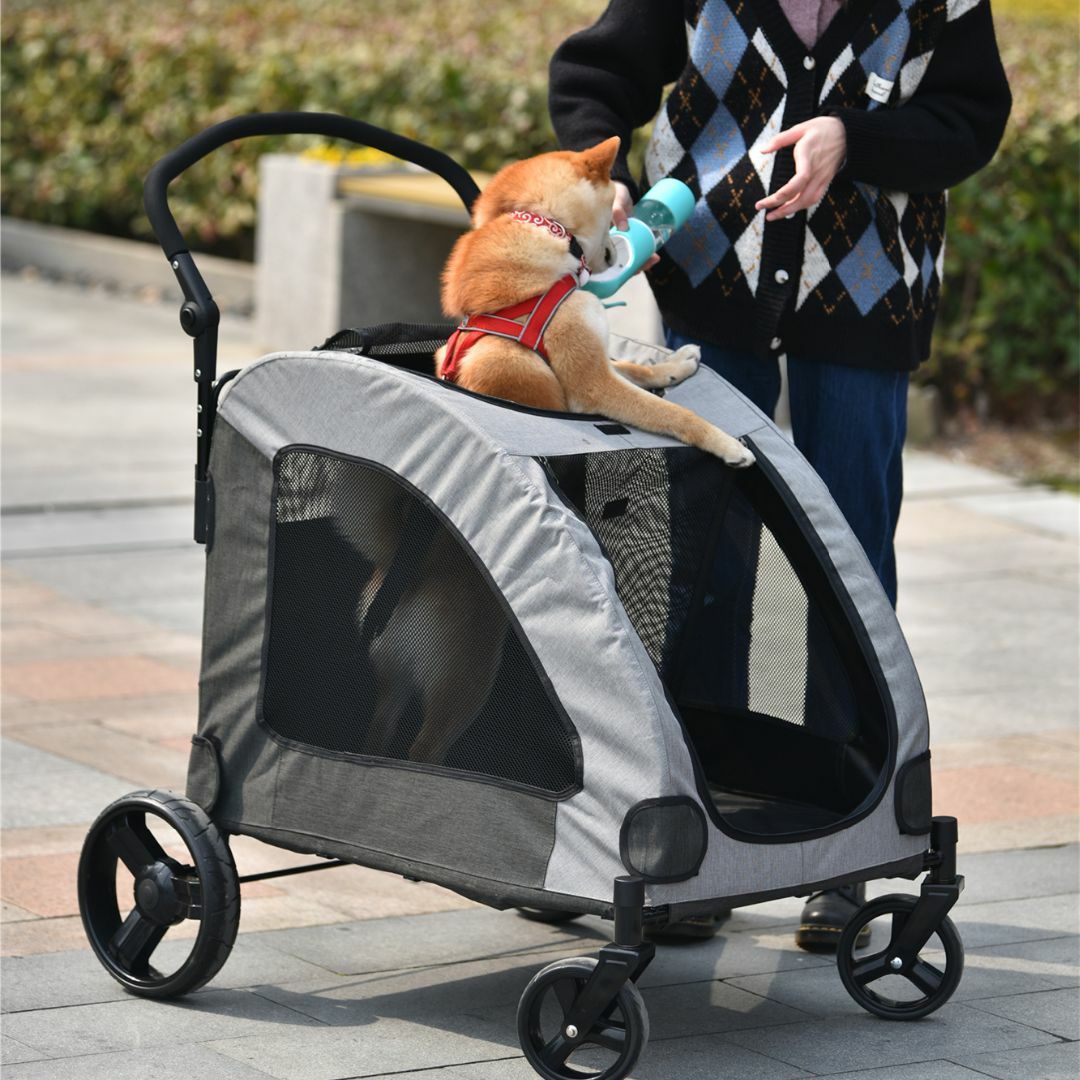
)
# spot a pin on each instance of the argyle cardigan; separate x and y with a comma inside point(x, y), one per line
point(919, 87)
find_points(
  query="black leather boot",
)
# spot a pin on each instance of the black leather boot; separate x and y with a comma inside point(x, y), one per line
point(826, 914)
point(693, 928)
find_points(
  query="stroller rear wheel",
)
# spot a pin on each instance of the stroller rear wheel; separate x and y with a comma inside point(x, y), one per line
point(607, 1051)
point(895, 983)
point(125, 867)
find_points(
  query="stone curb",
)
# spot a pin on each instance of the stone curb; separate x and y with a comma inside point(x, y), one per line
point(128, 265)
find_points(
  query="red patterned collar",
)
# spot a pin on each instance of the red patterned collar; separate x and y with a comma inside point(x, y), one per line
point(559, 232)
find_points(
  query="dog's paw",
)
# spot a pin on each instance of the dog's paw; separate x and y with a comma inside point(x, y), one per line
point(730, 451)
point(680, 365)
point(742, 458)
point(688, 355)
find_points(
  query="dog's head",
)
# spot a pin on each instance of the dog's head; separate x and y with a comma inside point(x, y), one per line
point(574, 188)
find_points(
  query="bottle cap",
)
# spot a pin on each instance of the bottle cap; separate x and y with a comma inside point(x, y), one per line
point(676, 196)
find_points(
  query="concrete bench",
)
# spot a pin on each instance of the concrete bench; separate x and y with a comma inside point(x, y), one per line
point(337, 246)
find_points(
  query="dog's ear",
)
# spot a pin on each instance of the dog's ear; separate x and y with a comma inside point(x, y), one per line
point(597, 160)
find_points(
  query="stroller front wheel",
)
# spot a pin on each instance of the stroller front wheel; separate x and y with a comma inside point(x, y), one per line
point(893, 983)
point(124, 867)
point(607, 1051)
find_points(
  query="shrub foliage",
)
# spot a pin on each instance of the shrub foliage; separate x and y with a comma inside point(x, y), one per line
point(1007, 338)
point(94, 92)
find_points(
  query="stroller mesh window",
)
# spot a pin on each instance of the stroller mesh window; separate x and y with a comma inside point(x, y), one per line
point(743, 625)
point(386, 639)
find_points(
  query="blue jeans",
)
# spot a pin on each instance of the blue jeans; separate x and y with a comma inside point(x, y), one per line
point(848, 422)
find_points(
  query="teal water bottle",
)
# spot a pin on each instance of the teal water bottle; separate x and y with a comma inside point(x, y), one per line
point(667, 206)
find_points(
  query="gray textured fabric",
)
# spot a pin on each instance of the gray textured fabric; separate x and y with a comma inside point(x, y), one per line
point(640, 352)
point(433, 820)
point(352, 392)
point(234, 617)
point(204, 775)
point(445, 822)
point(475, 460)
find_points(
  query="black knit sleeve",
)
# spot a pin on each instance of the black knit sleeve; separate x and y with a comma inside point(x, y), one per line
point(951, 125)
point(607, 79)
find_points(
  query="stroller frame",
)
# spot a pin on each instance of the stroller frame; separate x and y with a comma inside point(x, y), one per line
point(601, 1007)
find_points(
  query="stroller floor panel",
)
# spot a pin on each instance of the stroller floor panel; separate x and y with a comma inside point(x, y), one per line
point(767, 815)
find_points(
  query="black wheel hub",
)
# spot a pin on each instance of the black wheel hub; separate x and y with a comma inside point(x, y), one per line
point(156, 895)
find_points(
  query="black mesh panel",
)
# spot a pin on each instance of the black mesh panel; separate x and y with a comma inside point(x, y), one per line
point(406, 345)
point(387, 640)
point(651, 511)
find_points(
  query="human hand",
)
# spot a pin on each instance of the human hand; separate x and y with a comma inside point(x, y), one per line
point(620, 210)
point(620, 217)
point(820, 149)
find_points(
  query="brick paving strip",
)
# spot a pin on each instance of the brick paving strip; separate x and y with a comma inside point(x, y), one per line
point(355, 973)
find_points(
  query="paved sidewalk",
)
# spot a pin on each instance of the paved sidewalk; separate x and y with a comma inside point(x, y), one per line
point(353, 973)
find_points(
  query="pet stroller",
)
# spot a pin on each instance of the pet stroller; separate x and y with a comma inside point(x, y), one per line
point(541, 659)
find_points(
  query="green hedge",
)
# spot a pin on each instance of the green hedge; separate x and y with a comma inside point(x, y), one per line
point(1007, 343)
point(94, 92)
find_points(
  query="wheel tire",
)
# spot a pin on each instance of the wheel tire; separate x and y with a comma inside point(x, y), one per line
point(555, 918)
point(625, 1032)
point(857, 974)
point(165, 893)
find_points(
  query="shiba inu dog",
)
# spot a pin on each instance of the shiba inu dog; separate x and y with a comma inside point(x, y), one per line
point(538, 227)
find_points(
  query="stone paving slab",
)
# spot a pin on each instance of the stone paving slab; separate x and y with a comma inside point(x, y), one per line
point(867, 1042)
point(76, 793)
point(443, 996)
point(1054, 1011)
point(164, 586)
point(1016, 875)
point(76, 977)
point(153, 1063)
point(102, 381)
point(325, 1053)
point(124, 527)
point(1003, 711)
point(12, 1052)
point(135, 1023)
point(706, 1057)
point(930, 476)
point(989, 973)
point(1010, 921)
point(1053, 960)
point(1048, 511)
point(1055, 1061)
point(424, 940)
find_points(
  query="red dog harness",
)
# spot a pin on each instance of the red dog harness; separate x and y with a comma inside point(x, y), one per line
point(537, 310)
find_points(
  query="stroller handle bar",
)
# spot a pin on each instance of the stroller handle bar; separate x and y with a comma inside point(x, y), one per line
point(155, 198)
point(199, 314)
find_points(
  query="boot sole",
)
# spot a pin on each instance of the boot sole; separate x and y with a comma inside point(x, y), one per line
point(815, 938)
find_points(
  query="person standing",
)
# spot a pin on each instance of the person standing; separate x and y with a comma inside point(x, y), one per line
point(819, 137)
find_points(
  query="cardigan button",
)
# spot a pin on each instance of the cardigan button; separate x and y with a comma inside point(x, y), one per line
point(775, 344)
point(781, 277)
point(809, 63)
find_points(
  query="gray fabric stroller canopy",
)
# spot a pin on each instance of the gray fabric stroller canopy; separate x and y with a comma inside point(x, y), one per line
point(520, 654)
